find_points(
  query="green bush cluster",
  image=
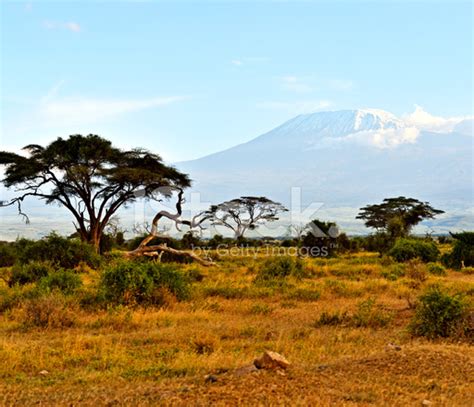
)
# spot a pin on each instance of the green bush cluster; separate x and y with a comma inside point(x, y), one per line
point(406, 249)
point(66, 281)
point(7, 255)
point(440, 314)
point(463, 251)
point(279, 268)
point(63, 252)
point(31, 272)
point(142, 282)
point(436, 269)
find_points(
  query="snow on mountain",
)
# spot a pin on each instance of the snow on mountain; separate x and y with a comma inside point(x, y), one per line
point(344, 160)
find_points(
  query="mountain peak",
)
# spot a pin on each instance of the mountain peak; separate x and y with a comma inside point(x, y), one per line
point(339, 123)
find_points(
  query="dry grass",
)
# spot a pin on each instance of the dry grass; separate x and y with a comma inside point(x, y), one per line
point(161, 356)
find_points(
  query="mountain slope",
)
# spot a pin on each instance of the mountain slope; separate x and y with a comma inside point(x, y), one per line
point(344, 159)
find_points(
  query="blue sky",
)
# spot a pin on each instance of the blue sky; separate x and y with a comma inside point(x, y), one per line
point(186, 79)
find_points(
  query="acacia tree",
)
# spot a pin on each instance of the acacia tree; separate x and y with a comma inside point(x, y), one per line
point(89, 177)
point(245, 213)
point(395, 217)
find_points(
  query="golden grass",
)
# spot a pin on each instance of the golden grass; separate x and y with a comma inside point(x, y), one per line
point(161, 356)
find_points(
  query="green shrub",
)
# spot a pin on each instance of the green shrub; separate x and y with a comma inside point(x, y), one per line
point(66, 253)
point(279, 268)
point(30, 272)
point(463, 251)
point(64, 280)
point(7, 255)
point(408, 249)
point(393, 272)
point(436, 269)
point(142, 282)
point(369, 314)
point(14, 296)
point(439, 314)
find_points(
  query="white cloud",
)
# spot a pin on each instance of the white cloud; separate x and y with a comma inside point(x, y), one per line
point(86, 110)
point(386, 138)
point(237, 62)
point(426, 121)
point(70, 26)
point(28, 7)
point(297, 107)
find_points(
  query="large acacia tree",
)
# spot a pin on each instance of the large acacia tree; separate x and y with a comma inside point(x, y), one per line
point(397, 216)
point(88, 176)
point(244, 213)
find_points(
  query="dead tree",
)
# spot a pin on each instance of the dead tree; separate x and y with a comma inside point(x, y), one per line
point(197, 221)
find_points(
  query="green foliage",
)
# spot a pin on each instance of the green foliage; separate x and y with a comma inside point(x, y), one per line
point(439, 314)
point(279, 268)
point(13, 296)
point(393, 272)
point(30, 272)
point(321, 239)
point(370, 315)
point(396, 216)
point(88, 176)
point(463, 251)
point(63, 252)
point(378, 242)
point(245, 213)
point(406, 249)
point(142, 282)
point(7, 255)
point(66, 281)
point(436, 269)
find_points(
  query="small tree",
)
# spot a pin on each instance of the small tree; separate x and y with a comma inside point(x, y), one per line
point(462, 254)
point(321, 239)
point(396, 217)
point(89, 177)
point(245, 213)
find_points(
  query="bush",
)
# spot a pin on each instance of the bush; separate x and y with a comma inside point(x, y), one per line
point(7, 255)
point(408, 249)
point(51, 311)
point(129, 282)
point(29, 273)
point(393, 272)
point(436, 269)
point(279, 268)
point(463, 251)
point(321, 240)
point(370, 315)
point(66, 253)
point(64, 280)
point(439, 314)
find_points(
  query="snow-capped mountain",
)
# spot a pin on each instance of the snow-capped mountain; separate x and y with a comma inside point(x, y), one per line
point(344, 160)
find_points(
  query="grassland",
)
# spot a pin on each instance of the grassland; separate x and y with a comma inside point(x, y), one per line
point(334, 326)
